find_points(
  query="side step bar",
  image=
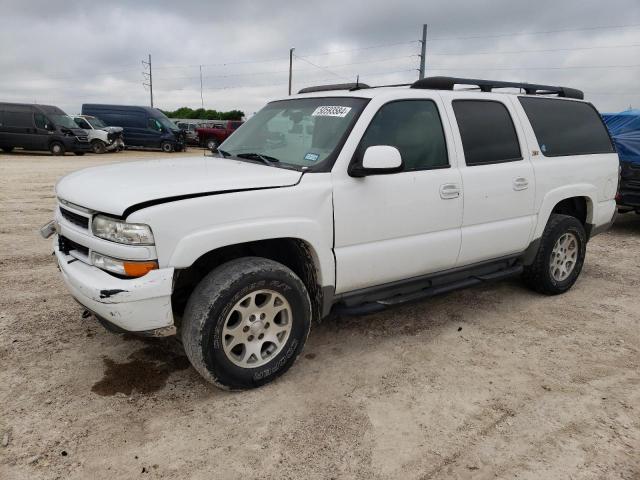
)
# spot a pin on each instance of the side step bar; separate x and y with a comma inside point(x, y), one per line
point(361, 304)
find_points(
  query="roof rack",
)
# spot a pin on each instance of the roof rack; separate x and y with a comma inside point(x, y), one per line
point(335, 86)
point(447, 83)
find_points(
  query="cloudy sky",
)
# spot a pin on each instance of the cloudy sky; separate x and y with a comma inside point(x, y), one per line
point(71, 52)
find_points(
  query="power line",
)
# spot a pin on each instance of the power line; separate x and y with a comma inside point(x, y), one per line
point(332, 52)
point(499, 52)
point(515, 34)
point(321, 68)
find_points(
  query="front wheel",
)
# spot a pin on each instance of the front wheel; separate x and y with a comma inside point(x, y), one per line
point(98, 146)
point(560, 256)
point(166, 147)
point(246, 323)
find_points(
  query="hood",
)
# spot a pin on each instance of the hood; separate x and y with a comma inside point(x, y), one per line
point(115, 188)
point(112, 129)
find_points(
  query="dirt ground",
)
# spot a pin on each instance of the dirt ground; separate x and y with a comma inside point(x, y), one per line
point(490, 382)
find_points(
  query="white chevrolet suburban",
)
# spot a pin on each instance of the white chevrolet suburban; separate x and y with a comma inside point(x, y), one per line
point(341, 197)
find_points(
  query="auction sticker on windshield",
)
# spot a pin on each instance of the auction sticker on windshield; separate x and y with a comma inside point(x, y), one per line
point(331, 111)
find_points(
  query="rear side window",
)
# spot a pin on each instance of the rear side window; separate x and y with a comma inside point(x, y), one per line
point(18, 119)
point(565, 127)
point(414, 128)
point(487, 131)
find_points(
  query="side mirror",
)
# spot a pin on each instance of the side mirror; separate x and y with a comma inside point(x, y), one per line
point(378, 160)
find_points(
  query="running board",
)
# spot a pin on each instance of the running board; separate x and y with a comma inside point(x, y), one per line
point(362, 303)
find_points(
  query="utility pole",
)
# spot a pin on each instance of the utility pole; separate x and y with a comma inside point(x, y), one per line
point(201, 97)
point(423, 50)
point(290, 67)
point(148, 76)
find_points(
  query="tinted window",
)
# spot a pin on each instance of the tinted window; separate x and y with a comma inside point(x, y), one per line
point(565, 127)
point(414, 128)
point(487, 131)
point(18, 119)
point(41, 120)
point(155, 125)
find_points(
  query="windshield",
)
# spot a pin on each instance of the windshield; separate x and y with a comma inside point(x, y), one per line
point(166, 123)
point(63, 121)
point(305, 132)
point(96, 122)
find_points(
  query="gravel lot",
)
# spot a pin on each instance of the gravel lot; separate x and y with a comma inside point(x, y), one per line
point(490, 382)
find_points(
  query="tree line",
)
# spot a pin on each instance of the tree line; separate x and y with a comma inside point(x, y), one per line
point(204, 114)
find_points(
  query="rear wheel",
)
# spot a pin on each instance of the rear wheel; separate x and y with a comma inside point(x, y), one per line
point(212, 144)
point(98, 146)
point(246, 323)
point(560, 256)
point(7, 149)
point(166, 147)
point(56, 148)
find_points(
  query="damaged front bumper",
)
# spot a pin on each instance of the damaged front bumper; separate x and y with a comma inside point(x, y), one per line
point(140, 305)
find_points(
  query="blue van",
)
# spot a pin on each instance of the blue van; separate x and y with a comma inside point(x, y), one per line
point(143, 127)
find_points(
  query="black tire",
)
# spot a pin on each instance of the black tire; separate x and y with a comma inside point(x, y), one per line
point(98, 146)
point(212, 145)
point(539, 274)
point(79, 154)
point(167, 147)
point(57, 149)
point(7, 149)
point(211, 306)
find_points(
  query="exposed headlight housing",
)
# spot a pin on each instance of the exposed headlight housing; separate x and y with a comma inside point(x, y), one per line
point(122, 232)
point(125, 268)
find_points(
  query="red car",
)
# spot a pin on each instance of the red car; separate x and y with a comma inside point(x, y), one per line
point(214, 134)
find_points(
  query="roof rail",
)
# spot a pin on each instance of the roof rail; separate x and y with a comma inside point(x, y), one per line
point(335, 86)
point(447, 83)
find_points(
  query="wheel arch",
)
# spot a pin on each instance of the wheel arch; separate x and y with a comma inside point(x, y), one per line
point(574, 200)
point(295, 253)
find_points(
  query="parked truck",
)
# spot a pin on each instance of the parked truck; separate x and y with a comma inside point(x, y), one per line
point(213, 135)
point(371, 197)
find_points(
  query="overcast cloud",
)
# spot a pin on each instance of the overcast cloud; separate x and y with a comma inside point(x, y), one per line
point(72, 52)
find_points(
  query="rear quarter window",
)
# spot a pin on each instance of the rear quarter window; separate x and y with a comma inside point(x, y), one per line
point(565, 127)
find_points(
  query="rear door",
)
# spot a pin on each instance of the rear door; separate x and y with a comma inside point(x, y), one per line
point(396, 226)
point(19, 128)
point(497, 178)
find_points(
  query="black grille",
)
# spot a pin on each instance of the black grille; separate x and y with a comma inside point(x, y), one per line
point(75, 218)
point(65, 245)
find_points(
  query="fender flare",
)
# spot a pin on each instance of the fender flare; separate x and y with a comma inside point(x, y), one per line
point(198, 243)
point(555, 196)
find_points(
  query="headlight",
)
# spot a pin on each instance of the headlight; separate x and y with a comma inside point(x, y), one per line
point(122, 232)
point(126, 268)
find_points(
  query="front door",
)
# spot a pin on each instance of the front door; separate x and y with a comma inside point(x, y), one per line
point(396, 226)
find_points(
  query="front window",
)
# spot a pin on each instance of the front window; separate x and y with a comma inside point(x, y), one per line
point(168, 124)
point(82, 123)
point(96, 122)
point(63, 121)
point(305, 132)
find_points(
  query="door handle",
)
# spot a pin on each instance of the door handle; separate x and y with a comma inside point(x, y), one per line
point(449, 191)
point(520, 183)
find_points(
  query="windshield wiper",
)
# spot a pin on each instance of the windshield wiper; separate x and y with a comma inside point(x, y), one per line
point(266, 159)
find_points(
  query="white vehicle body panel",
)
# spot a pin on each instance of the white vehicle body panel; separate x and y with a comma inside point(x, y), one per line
point(134, 183)
point(362, 232)
point(393, 219)
point(498, 216)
